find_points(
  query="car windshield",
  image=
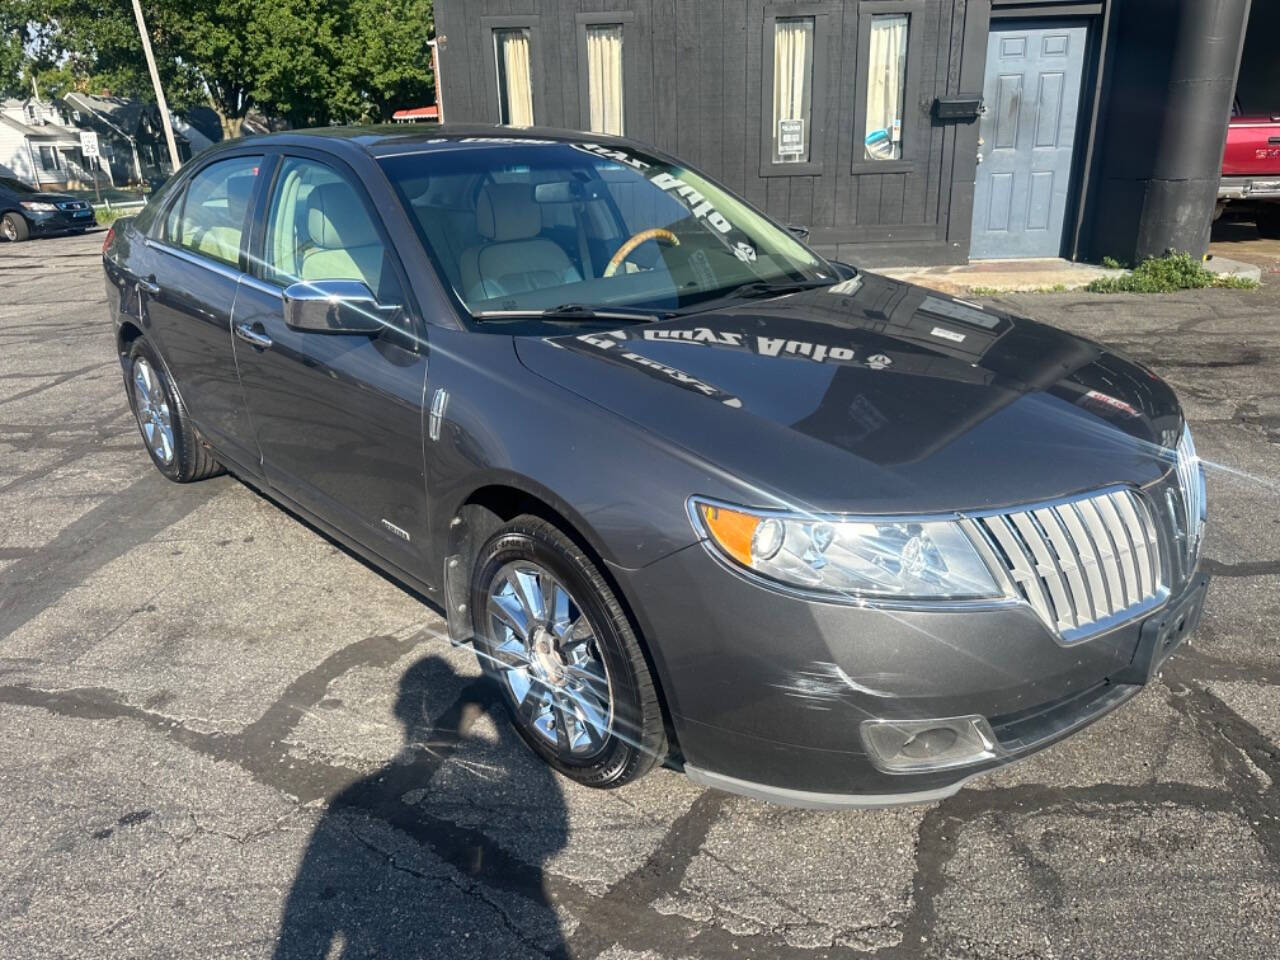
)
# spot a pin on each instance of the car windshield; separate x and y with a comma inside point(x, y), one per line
point(17, 186)
point(524, 226)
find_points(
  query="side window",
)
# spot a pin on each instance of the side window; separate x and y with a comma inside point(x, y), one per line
point(605, 100)
point(886, 86)
point(318, 228)
point(211, 215)
point(792, 88)
point(515, 84)
point(796, 55)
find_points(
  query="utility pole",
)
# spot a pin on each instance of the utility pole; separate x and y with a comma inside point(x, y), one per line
point(155, 82)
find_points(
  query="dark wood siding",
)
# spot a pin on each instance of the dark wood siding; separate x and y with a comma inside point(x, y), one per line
point(693, 76)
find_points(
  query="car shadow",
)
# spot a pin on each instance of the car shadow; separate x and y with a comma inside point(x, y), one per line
point(401, 864)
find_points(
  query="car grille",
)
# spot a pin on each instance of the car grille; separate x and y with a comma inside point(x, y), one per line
point(1084, 565)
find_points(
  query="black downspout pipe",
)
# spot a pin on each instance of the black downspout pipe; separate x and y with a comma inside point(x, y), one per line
point(1174, 74)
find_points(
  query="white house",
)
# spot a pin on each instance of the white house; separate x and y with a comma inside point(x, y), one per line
point(40, 145)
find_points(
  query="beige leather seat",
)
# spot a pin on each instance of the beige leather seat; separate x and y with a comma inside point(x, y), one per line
point(342, 242)
point(220, 235)
point(513, 258)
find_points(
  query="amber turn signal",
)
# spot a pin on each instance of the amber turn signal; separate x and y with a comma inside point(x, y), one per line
point(732, 530)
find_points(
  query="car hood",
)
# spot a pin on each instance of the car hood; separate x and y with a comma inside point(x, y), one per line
point(878, 396)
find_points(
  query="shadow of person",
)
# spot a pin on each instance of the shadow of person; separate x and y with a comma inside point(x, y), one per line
point(433, 855)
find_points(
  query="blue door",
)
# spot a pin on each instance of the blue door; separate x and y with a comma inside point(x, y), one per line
point(1027, 137)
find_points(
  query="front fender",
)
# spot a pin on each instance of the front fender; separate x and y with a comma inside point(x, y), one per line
point(621, 488)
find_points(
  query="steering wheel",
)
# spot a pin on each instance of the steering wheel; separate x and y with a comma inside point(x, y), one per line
point(628, 246)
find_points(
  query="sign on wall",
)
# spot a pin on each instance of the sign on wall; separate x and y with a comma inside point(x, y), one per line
point(790, 137)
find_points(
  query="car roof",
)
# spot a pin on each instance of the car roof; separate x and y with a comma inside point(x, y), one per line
point(388, 139)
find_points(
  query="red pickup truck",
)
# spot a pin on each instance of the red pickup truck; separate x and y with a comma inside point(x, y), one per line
point(1250, 184)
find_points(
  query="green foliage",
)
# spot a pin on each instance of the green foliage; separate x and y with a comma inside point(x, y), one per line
point(1111, 263)
point(1174, 271)
point(15, 34)
point(309, 62)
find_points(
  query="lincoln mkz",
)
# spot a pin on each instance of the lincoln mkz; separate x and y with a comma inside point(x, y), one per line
point(695, 494)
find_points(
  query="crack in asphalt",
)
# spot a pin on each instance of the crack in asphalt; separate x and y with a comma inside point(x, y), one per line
point(624, 914)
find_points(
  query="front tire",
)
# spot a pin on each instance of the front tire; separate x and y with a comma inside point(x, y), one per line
point(167, 432)
point(14, 227)
point(551, 633)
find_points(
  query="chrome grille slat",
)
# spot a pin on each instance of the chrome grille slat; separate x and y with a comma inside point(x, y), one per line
point(1106, 548)
point(1069, 563)
point(1191, 491)
point(1021, 568)
point(1146, 585)
point(1124, 549)
point(1084, 565)
point(1089, 558)
point(1047, 570)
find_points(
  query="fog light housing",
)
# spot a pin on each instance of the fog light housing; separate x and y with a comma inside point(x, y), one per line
point(917, 746)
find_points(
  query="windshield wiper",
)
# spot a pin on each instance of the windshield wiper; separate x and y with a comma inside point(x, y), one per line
point(572, 311)
point(752, 289)
point(770, 288)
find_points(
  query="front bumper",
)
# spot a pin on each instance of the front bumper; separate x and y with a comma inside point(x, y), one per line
point(1249, 188)
point(768, 692)
point(59, 221)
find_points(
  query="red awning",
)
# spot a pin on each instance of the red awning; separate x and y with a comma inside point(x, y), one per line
point(417, 113)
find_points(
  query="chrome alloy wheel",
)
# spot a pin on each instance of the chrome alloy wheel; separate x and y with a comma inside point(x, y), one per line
point(8, 229)
point(153, 410)
point(546, 653)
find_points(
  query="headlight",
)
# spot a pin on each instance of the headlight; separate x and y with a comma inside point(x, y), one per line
point(38, 205)
point(902, 559)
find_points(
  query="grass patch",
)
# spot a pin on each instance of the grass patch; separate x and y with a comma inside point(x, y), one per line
point(1174, 271)
point(107, 217)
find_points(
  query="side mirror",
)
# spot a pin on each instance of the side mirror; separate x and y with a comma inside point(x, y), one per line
point(798, 231)
point(335, 306)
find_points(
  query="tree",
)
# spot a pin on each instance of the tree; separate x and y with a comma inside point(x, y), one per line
point(309, 62)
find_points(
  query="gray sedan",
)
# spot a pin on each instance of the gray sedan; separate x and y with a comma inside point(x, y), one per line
point(695, 494)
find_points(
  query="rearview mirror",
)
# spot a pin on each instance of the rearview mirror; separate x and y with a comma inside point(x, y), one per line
point(335, 306)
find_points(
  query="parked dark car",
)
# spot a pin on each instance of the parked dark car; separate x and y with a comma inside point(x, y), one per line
point(694, 493)
point(27, 212)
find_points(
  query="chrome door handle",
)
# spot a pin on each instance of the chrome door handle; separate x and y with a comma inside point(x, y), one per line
point(251, 336)
point(148, 286)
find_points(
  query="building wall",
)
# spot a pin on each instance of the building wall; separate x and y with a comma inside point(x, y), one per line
point(698, 86)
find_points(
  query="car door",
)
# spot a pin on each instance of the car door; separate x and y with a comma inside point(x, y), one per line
point(187, 290)
point(338, 416)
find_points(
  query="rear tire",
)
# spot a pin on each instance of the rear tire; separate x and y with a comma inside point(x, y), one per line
point(167, 432)
point(1268, 220)
point(14, 227)
point(573, 677)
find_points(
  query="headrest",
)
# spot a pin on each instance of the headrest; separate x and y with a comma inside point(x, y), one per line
point(507, 211)
point(336, 218)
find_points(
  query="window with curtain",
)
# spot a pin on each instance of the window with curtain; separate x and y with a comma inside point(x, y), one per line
point(604, 77)
point(792, 88)
point(886, 86)
point(515, 84)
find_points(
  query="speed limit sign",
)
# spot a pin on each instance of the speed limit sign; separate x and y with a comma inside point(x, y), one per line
point(88, 143)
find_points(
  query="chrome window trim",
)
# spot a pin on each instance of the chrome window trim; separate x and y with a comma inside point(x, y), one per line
point(182, 253)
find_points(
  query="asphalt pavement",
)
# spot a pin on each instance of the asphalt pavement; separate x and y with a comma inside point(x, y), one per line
point(222, 736)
